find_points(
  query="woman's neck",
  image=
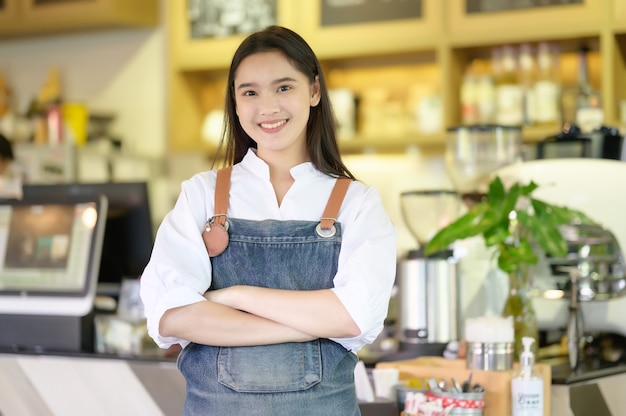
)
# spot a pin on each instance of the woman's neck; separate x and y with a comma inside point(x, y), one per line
point(280, 165)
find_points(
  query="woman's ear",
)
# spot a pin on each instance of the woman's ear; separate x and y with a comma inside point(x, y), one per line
point(315, 91)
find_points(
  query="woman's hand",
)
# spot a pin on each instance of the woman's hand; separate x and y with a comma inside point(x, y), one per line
point(225, 297)
point(315, 312)
point(211, 323)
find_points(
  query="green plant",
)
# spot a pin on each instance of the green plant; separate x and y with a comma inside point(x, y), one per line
point(515, 223)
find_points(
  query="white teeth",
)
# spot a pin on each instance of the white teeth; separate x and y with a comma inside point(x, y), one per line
point(273, 125)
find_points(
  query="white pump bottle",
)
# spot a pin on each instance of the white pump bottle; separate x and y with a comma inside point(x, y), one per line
point(527, 385)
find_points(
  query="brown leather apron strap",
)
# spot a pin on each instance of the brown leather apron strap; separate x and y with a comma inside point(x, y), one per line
point(334, 203)
point(215, 235)
point(222, 188)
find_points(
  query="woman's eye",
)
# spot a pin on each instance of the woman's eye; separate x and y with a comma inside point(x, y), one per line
point(284, 88)
point(249, 93)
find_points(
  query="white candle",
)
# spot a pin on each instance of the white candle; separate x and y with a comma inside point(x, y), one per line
point(489, 329)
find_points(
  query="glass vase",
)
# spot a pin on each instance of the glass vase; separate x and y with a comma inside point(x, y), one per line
point(519, 305)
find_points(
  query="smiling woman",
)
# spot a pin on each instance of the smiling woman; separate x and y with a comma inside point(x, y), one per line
point(305, 260)
point(273, 102)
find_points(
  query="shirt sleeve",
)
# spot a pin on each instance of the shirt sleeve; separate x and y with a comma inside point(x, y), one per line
point(179, 270)
point(367, 265)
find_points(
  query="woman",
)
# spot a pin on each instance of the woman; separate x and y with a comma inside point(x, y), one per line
point(271, 320)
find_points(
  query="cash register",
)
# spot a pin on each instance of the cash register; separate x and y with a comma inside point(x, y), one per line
point(50, 251)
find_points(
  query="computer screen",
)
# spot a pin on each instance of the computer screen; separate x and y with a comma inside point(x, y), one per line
point(128, 235)
point(49, 254)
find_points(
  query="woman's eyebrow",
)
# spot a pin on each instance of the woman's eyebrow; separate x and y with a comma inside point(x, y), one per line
point(284, 79)
point(277, 81)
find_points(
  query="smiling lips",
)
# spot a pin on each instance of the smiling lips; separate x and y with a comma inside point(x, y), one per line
point(273, 125)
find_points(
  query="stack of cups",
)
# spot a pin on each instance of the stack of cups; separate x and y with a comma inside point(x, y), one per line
point(489, 343)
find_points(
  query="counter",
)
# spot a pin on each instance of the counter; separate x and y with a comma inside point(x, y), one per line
point(55, 385)
point(33, 384)
point(100, 385)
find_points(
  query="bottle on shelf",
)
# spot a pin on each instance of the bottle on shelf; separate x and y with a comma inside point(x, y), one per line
point(589, 112)
point(547, 86)
point(569, 94)
point(527, 76)
point(468, 95)
point(509, 93)
point(485, 93)
point(527, 385)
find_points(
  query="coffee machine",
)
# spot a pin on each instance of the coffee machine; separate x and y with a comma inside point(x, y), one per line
point(583, 295)
point(428, 285)
point(604, 143)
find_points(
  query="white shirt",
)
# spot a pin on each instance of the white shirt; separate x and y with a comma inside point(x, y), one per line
point(179, 271)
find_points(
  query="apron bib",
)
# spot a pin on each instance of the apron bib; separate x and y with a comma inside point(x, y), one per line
point(310, 378)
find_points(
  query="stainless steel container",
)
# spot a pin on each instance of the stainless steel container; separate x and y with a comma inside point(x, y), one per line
point(496, 356)
point(429, 299)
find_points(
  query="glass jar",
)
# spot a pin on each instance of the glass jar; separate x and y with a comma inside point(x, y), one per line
point(519, 305)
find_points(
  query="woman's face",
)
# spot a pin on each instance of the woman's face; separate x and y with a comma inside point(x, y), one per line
point(273, 101)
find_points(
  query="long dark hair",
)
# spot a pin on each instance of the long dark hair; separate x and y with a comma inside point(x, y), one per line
point(321, 138)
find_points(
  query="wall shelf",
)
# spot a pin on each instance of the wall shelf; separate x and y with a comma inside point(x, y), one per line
point(21, 18)
point(432, 51)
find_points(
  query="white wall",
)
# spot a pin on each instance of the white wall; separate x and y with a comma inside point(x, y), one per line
point(118, 71)
point(396, 173)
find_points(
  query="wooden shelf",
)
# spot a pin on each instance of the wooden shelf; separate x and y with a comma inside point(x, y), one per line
point(430, 51)
point(619, 16)
point(367, 39)
point(359, 145)
point(553, 22)
point(8, 16)
point(192, 54)
point(28, 18)
point(616, 63)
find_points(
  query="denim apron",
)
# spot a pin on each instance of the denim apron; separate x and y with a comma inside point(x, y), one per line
point(296, 378)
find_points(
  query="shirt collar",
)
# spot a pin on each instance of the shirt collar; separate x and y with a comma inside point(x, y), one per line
point(259, 168)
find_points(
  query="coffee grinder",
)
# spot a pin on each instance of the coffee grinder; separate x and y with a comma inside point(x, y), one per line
point(428, 285)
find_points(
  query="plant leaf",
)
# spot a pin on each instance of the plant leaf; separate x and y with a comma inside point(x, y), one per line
point(510, 201)
point(560, 215)
point(464, 227)
point(489, 220)
point(496, 192)
point(513, 256)
point(497, 234)
point(529, 189)
point(516, 237)
point(545, 231)
point(549, 213)
point(506, 261)
point(524, 253)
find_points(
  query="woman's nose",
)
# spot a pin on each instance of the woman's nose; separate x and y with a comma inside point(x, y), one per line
point(269, 104)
